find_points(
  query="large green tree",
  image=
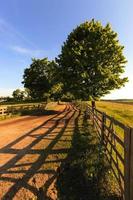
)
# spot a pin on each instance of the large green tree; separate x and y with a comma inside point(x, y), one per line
point(39, 77)
point(92, 61)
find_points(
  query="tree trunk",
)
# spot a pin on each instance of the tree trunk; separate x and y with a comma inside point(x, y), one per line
point(93, 104)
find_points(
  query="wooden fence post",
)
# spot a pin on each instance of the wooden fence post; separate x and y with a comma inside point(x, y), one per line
point(127, 156)
point(93, 111)
point(131, 165)
point(102, 127)
point(2, 111)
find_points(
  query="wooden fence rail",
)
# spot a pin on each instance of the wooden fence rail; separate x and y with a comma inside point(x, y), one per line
point(117, 140)
point(11, 109)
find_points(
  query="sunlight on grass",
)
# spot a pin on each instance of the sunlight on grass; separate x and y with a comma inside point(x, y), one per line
point(120, 111)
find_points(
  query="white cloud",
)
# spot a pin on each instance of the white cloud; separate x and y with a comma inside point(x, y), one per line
point(29, 52)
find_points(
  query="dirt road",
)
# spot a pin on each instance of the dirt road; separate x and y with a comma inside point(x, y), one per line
point(31, 150)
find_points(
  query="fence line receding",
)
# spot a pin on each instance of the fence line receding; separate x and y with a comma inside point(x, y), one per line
point(117, 140)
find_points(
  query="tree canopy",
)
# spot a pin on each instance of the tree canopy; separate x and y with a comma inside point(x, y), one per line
point(38, 78)
point(90, 65)
point(21, 95)
point(92, 61)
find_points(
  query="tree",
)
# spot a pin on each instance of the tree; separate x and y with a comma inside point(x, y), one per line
point(92, 61)
point(38, 77)
point(18, 95)
point(67, 97)
point(56, 91)
point(27, 95)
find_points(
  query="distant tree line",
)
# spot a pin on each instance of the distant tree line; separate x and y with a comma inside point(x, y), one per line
point(89, 66)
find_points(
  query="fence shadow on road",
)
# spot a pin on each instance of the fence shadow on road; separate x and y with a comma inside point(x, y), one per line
point(8, 168)
point(73, 181)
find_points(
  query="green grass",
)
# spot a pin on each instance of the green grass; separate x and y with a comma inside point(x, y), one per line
point(120, 111)
point(9, 116)
point(20, 110)
point(19, 103)
point(86, 174)
point(120, 100)
point(124, 113)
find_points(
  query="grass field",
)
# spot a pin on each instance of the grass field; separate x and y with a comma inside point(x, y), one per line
point(122, 111)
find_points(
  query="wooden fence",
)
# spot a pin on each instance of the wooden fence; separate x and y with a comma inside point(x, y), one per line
point(12, 109)
point(117, 141)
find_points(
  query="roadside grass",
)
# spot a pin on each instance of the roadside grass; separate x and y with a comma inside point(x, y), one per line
point(120, 111)
point(9, 116)
point(85, 175)
point(18, 103)
point(123, 113)
point(47, 109)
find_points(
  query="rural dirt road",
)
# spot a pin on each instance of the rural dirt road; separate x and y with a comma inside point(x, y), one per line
point(31, 150)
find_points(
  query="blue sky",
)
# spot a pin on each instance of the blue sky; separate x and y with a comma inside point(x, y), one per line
point(38, 28)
